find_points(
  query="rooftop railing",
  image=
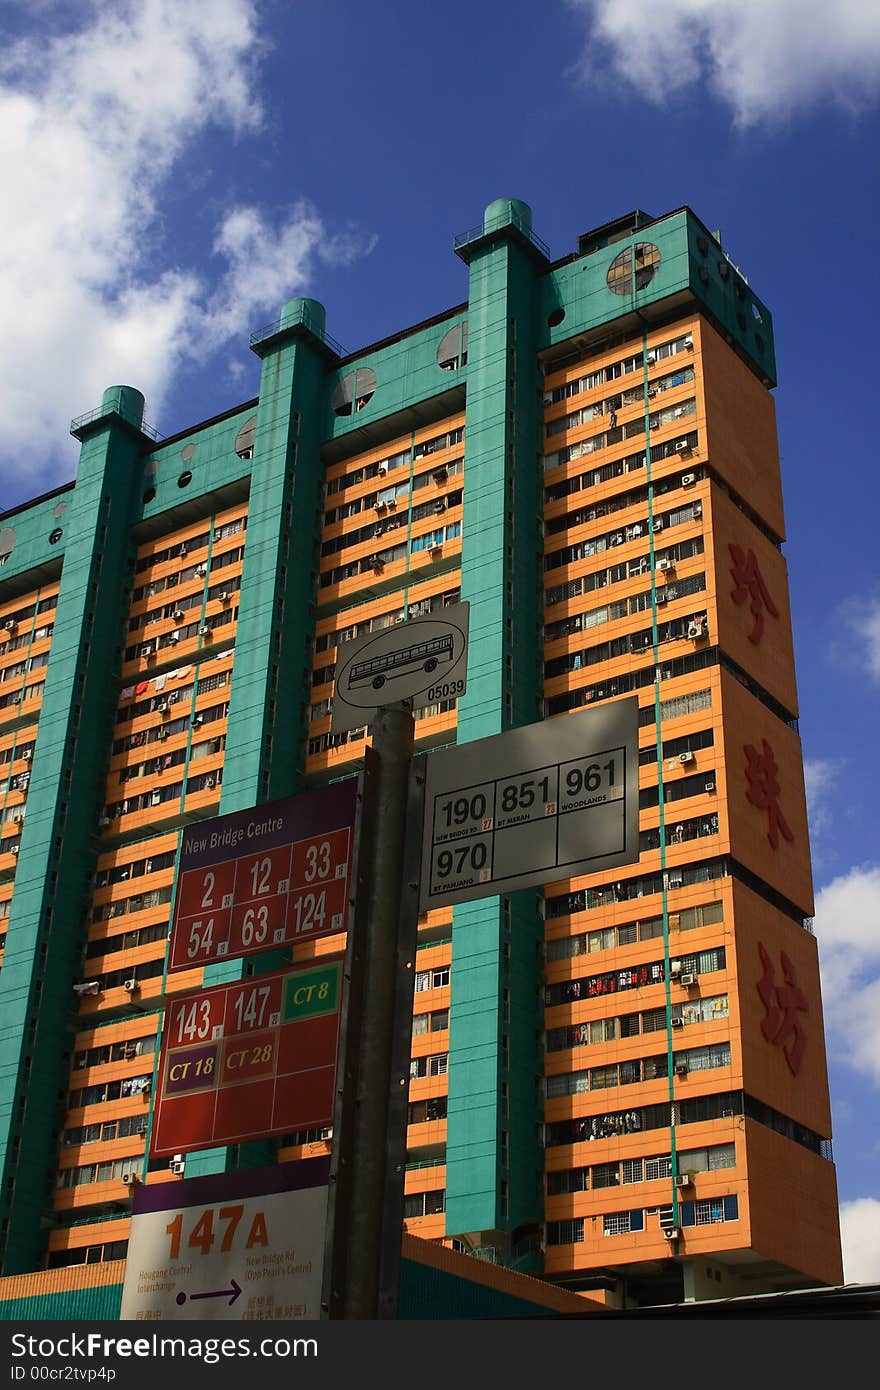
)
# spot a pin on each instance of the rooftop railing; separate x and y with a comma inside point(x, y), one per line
point(475, 233)
point(101, 410)
point(307, 320)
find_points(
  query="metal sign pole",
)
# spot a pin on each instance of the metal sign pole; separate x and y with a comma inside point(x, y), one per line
point(369, 1141)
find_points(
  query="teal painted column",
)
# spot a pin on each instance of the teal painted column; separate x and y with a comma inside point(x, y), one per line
point(58, 851)
point(269, 699)
point(494, 1161)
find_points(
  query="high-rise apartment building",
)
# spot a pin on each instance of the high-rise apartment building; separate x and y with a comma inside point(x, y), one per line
point(619, 1083)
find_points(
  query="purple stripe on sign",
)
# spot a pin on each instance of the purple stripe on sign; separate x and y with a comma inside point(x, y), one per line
point(192, 1069)
point(268, 826)
point(219, 1187)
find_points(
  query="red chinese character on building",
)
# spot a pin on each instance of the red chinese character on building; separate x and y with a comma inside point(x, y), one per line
point(749, 584)
point(782, 1004)
point(763, 790)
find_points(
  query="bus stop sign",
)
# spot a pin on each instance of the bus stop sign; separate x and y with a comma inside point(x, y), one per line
point(531, 806)
point(422, 660)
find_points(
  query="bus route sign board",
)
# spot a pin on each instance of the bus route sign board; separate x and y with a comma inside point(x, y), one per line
point(270, 876)
point(423, 660)
point(242, 1245)
point(532, 805)
point(250, 1059)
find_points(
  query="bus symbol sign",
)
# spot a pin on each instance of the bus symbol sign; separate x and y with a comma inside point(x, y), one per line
point(422, 660)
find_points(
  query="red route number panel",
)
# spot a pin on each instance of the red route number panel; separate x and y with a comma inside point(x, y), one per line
point(292, 893)
point(248, 1060)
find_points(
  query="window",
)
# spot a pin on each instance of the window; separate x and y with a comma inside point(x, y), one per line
point(702, 916)
point(633, 268)
point(619, 1223)
point(709, 1211)
point(424, 1203)
point(658, 1168)
point(705, 1058)
point(565, 1232)
point(354, 391)
point(432, 979)
point(568, 1180)
point(606, 1175)
point(632, 1170)
point(435, 1065)
point(569, 1084)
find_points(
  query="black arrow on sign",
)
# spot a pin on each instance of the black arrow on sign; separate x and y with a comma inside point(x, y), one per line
point(231, 1293)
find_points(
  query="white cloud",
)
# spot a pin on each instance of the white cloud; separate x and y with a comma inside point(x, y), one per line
point(763, 58)
point(820, 776)
point(860, 1235)
point(847, 924)
point(93, 125)
point(863, 617)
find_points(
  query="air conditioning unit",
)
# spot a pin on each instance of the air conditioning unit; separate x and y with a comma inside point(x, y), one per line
point(175, 637)
point(696, 630)
point(327, 1133)
point(200, 571)
point(709, 786)
point(681, 446)
point(177, 614)
point(104, 822)
point(382, 470)
point(223, 596)
point(161, 733)
point(15, 849)
point(677, 1021)
point(392, 502)
point(661, 595)
point(130, 986)
point(651, 358)
point(698, 510)
point(688, 479)
point(687, 979)
point(163, 707)
point(675, 881)
point(177, 1166)
point(652, 391)
point(681, 1068)
point(665, 565)
point(675, 968)
point(657, 524)
point(435, 548)
point(131, 1179)
point(10, 624)
point(671, 1232)
point(129, 1051)
point(156, 799)
point(27, 754)
point(204, 630)
point(440, 475)
point(379, 505)
point(148, 649)
point(689, 344)
point(686, 757)
point(682, 1180)
point(142, 1127)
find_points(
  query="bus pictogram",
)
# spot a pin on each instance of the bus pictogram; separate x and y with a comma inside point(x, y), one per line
point(380, 669)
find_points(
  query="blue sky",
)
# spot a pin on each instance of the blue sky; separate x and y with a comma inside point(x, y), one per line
point(174, 173)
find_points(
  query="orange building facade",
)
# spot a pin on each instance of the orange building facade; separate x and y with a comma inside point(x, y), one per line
point(618, 1085)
